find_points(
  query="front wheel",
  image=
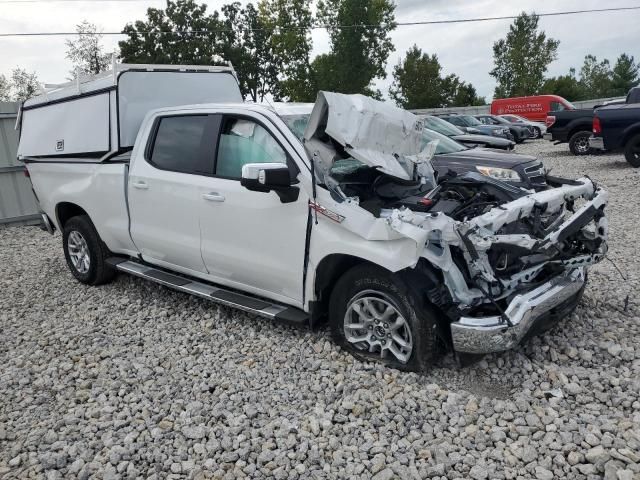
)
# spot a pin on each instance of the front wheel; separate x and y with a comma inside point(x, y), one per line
point(374, 316)
point(632, 151)
point(579, 143)
point(85, 253)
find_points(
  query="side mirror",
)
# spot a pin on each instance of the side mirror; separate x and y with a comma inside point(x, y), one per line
point(267, 177)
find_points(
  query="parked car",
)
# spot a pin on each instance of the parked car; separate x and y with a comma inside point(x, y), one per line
point(539, 128)
point(472, 125)
point(617, 127)
point(534, 108)
point(573, 126)
point(222, 201)
point(520, 132)
point(448, 129)
point(450, 156)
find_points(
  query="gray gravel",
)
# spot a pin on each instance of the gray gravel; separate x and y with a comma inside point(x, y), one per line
point(133, 380)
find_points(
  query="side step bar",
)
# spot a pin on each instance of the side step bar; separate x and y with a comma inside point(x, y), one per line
point(257, 306)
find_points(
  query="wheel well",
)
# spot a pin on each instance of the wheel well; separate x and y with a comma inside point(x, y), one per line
point(329, 270)
point(628, 135)
point(67, 210)
point(580, 128)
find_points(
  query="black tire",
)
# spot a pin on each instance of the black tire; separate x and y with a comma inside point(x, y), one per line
point(579, 143)
point(632, 151)
point(419, 319)
point(537, 132)
point(97, 271)
point(516, 137)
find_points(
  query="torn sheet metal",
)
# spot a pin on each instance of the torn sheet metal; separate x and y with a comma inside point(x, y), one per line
point(373, 132)
point(347, 127)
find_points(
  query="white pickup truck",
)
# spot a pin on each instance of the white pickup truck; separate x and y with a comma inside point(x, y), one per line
point(223, 201)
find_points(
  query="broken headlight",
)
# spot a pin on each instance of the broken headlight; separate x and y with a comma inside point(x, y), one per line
point(505, 174)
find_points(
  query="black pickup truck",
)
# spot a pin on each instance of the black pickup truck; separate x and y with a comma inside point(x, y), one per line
point(573, 126)
point(617, 127)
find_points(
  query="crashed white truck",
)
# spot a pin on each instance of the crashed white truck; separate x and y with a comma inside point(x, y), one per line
point(221, 200)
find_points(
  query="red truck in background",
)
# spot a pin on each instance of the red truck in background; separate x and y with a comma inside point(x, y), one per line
point(533, 108)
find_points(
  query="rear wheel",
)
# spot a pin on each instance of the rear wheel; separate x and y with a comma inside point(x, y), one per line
point(517, 137)
point(632, 151)
point(85, 253)
point(537, 133)
point(374, 316)
point(579, 143)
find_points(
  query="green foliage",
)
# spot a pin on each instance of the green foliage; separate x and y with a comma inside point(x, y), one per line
point(625, 75)
point(595, 78)
point(418, 84)
point(566, 86)
point(86, 52)
point(289, 41)
point(269, 46)
point(173, 48)
point(522, 58)
point(245, 43)
point(358, 53)
point(416, 81)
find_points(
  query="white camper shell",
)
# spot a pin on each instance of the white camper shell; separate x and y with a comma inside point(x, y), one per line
point(99, 117)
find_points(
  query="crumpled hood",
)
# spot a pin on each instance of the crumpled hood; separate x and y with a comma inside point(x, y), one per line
point(373, 132)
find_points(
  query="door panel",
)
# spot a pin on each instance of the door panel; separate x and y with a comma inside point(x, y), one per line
point(252, 238)
point(164, 190)
point(164, 216)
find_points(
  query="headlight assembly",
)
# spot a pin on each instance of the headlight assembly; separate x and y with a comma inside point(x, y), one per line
point(505, 174)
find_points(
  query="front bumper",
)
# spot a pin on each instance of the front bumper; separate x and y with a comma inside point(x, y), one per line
point(597, 143)
point(493, 334)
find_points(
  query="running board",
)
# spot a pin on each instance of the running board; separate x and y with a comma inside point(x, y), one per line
point(257, 306)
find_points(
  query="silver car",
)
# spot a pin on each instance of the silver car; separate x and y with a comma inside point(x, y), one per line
point(538, 128)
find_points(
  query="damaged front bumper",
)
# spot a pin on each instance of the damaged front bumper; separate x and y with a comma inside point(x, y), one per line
point(494, 334)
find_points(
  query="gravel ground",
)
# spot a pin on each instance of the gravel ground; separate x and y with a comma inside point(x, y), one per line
point(133, 380)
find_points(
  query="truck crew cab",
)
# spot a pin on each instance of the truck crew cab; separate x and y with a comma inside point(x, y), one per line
point(617, 127)
point(143, 174)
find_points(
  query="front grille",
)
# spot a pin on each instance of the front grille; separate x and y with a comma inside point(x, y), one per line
point(535, 174)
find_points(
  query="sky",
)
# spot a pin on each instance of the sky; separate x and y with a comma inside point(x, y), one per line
point(464, 49)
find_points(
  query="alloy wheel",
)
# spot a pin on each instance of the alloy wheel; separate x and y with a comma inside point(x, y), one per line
point(78, 251)
point(582, 145)
point(374, 324)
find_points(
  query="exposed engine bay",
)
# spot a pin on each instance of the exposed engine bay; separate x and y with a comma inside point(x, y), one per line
point(490, 239)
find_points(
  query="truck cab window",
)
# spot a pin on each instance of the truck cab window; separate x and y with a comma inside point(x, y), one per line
point(557, 107)
point(177, 145)
point(244, 141)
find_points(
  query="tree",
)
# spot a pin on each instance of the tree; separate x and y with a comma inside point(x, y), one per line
point(566, 86)
point(5, 89)
point(457, 93)
point(418, 84)
point(416, 81)
point(289, 23)
point(24, 85)
point(86, 52)
point(625, 75)
point(146, 45)
point(522, 58)
point(359, 49)
point(245, 43)
point(595, 78)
